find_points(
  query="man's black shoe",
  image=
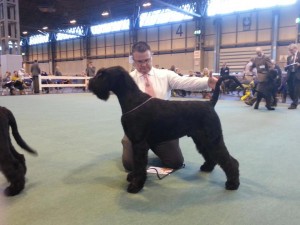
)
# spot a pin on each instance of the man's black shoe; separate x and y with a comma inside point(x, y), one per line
point(292, 107)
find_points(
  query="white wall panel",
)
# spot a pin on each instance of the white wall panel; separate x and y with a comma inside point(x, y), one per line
point(110, 50)
point(178, 44)
point(110, 40)
point(208, 60)
point(165, 45)
point(229, 24)
point(264, 35)
point(246, 37)
point(190, 42)
point(184, 61)
point(72, 67)
point(119, 38)
point(264, 19)
point(152, 34)
point(287, 33)
point(228, 39)
point(153, 45)
point(142, 34)
point(165, 33)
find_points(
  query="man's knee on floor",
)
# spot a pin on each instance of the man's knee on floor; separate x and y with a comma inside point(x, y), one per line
point(174, 163)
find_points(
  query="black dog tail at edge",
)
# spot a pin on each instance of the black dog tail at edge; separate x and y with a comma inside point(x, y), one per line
point(216, 93)
point(17, 136)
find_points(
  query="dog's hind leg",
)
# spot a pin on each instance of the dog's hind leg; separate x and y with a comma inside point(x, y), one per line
point(19, 157)
point(215, 152)
point(209, 164)
point(12, 170)
point(229, 164)
point(137, 177)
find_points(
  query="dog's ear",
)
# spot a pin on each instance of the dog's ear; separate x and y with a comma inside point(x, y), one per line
point(100, 71)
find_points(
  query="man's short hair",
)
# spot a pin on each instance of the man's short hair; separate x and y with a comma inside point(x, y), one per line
point(140, 46)
point(258, 49)
point(293, 46)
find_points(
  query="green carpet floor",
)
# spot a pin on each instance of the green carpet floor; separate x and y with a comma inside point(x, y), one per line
point(77, 179)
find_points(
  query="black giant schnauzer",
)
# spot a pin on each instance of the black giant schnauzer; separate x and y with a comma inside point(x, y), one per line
point(147, 121)
point(12, 163)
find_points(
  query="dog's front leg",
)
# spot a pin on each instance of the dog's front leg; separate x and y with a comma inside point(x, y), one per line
point(138, 176)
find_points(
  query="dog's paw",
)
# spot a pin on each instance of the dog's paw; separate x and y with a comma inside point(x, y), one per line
point(232, 185)
point(133, 188)
point(206, 167)
point(130, 177)
point(10, 191)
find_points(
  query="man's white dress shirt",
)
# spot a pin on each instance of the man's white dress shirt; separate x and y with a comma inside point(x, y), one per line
point(163, 81)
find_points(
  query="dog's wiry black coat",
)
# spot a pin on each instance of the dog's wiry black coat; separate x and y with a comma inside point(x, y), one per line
point(12, 164)
point(154, 121)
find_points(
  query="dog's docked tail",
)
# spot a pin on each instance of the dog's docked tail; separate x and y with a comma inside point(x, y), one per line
point(216, 92)
point(14, 128)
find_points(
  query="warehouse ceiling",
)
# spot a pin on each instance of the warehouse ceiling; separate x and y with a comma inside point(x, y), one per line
point(56, 14)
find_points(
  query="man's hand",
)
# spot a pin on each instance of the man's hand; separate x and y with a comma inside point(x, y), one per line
point(212, 81)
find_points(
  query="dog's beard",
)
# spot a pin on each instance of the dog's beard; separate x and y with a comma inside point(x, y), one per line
point(101, 91)
point(102, 95)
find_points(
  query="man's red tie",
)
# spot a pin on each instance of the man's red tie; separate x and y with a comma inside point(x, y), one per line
point(148, 86)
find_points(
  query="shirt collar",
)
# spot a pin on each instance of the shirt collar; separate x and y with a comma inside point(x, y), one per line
point(151, 72)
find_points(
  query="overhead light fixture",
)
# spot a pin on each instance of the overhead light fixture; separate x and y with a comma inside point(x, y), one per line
point(25, 32)
point(147, 4)
point(73, 21)
point(43, 33)
point(105, 13)
point(45, 28)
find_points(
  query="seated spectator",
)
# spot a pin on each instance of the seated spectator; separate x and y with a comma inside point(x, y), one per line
point(8, 83)
point(205, 72)
point(206, 93)
point(191, 73)
point(177, 92)
point(248, 72)
point(27, 80)
point(21, 73)
point(47, 90)
point(58, 73)
point(224, 72)
point(18, 82)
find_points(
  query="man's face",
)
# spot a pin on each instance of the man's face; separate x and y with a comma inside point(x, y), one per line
point(259, 53)
point(142, 61)
point(293, 51)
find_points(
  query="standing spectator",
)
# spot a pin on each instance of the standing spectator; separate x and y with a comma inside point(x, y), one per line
point(293, 69)
point(90, 70)
point(263, 65)
point(224, 70)
point(277, 81)
point(223, 73)
point(57, 71)
point(35, 72)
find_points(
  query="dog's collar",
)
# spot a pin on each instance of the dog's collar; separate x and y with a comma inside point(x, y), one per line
point(138, 106)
